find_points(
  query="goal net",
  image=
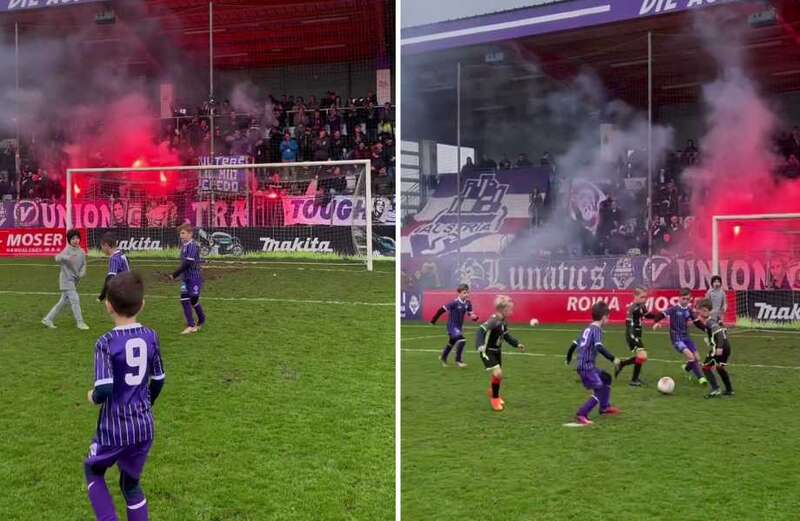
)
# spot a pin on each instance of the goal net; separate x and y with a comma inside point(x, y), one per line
point(313, 209)
point(758, 258)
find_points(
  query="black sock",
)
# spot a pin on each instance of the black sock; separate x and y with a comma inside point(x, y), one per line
point(711, 378)
point(637, 370)
point(726, 379)
point(495, 390)
point(627, 361)
point(687, 368)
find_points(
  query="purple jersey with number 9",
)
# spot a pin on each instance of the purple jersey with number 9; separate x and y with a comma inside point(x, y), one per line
point(127, 357)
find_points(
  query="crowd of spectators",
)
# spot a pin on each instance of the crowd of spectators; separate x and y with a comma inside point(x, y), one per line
point(292, 129)
point(287, 130)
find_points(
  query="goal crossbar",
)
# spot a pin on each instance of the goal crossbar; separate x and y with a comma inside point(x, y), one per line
point(366, 163)
point(715, 220)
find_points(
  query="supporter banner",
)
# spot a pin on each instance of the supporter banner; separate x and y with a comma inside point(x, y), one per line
point(337, 211)
point(770, 306)
point(35, 242)
point(21, 5)
point(238, 241)
point(563, 307)
point(494, 208)
point(235, 212)
point(600, 273)
point(223, 182)
point(410, 306)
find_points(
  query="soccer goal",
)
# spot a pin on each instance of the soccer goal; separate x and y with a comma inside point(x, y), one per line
point(758, 257)
point(312, 209)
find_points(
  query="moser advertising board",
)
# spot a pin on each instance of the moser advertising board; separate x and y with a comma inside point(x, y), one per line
point(563, 307)
point(35, 242)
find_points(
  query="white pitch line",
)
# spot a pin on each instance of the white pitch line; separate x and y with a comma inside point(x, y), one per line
point(402, 339)
point(241, 266)
point(516, 353)
point(224, 299)
point(522, 328)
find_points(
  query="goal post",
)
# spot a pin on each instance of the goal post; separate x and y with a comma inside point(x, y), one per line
point(238, 208)
point(769, 244)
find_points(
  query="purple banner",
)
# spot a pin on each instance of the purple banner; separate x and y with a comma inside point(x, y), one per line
point(490, 272)
point(537, 20)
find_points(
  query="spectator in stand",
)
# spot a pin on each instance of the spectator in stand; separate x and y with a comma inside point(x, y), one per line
point(371, 121)
point(389, 159)
point(535, 207)
point(300, 117)
point(307, 145)
point(487, 163)
point(690, 154)
point(288, 148)
point(322, 147)
point(351, 119)
point(505, 163)
point(361, 151)
point(6, 187)
point(334, 121)
point(261, 152)
point(468, 167)
point(337, 146)
point(317, 122)
point(380, 176)
point(313, 104)
point(388, 112)
point(523, 161)
point(385, 128)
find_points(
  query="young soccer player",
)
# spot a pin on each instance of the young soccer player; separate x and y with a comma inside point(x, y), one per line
point(598, 382)
point(73, 269)
point(117, 261)
point(679, 318)
point(633, 336)
point(720, 349)
point(489, 341)
point(719, 301)
point(129, 376)
point(192, 283)
point(456, 310)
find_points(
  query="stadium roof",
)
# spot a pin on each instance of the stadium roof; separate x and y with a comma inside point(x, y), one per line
point(419, 13)
point(617, 51)
point(248, 34)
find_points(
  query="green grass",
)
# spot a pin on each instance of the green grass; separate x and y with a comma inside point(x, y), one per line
point(281, 408)
point(679, 457)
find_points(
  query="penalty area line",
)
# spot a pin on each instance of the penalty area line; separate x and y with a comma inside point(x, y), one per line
point(223, 299)
point(548, 355)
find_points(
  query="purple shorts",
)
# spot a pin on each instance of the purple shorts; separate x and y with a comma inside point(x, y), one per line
point(191, 288)
point(129, 458)
point(682, 345)
point(591, 379)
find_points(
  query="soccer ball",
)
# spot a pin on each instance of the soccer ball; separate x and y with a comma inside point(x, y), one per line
point(534, 322)
point(666, 385)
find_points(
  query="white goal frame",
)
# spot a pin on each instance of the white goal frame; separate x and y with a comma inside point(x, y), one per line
point(715, 220)
point(365, 162)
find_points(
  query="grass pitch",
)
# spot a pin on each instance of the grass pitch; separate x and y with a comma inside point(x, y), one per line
point(281, 408)
point(678, 457)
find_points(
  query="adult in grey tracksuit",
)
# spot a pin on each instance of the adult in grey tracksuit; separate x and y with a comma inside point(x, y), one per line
point(73, 268)
point(719, 302)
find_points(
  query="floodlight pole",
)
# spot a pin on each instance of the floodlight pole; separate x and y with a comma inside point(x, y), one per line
point(17, 166)
point(211, 76)
point(458, 166)
point(650, 144)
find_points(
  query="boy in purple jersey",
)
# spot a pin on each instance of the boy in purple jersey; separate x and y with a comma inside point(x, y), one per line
point(456, 310)
point(117, 261)
point(589, 344)
point(192, 280)
point(679, 318)
point(129, 376)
